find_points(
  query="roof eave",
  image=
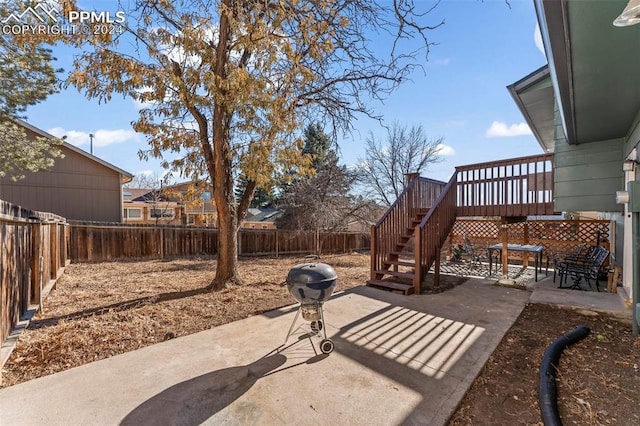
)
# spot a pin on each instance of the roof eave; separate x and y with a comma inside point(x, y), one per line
point(554, 28)
point(520, 86)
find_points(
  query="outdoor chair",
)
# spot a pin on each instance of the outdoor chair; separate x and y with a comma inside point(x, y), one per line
point(584, 267)
point(471, 251)
point(459, 252)
point(558, 258)
point(477, 252)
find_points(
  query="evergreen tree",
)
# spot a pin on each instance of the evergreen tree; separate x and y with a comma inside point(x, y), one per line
point(27, 77)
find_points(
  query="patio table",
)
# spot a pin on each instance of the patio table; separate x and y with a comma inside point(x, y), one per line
point(530, 248)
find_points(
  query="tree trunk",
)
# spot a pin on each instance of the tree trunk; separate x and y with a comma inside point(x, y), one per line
point(227, 268)
point(222, 172)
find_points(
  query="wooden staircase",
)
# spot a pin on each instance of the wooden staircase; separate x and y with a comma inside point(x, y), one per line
point(398, 270)
point(406, 241)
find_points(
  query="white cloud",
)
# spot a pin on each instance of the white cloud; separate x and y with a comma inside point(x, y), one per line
point(499, 129)
point(537, 39)
point(140, 104)
point(445, 150)
point(102, 137)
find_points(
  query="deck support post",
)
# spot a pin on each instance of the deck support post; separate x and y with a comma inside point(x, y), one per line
point(525, 255)
point(374, 254)
point(417, 250)
point(504, 229)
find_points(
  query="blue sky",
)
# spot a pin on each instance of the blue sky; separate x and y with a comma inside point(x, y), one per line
point(461, 96)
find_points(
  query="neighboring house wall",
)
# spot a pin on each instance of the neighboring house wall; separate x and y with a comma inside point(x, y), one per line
point(150, 213)
point(587, 175)
point(180, 204)
point(258, 225)
point(77, 187)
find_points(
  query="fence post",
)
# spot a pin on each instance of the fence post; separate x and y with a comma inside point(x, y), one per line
point(277, 241)
point(33, 295)
point(161, 243)
point(41, 276)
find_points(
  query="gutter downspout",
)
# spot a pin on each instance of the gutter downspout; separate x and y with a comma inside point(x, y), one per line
point(635, 253)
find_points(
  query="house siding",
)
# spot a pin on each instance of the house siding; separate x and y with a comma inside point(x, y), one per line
point(587, 176)
point(76, 187)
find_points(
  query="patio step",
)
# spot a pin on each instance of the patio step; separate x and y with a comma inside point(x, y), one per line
point(393, 286)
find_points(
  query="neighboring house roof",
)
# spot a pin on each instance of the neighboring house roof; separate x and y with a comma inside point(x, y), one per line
point(263, 215)
point(593, 66)
point(126, 175)
point(130, 195)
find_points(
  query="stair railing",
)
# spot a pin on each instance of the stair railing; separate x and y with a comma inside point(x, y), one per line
point(419, 193)
point(432, 232)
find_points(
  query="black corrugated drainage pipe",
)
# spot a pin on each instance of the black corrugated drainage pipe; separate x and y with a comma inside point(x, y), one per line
point(547, 395)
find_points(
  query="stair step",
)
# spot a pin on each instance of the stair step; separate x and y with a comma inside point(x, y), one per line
point(393, 286)
point(400, 263)
point(407, 275)
point(397, 254)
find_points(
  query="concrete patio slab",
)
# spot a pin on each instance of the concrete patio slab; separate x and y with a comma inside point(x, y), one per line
point(547, 292)
point(397, 359)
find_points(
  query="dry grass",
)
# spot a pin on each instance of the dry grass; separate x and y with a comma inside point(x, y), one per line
point(105, 309)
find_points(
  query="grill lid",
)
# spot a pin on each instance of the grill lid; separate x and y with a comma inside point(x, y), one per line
point(311, 273)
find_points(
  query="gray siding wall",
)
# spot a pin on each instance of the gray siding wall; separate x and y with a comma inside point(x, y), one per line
point(76, 188)
point(633, 141)
point(587, 176)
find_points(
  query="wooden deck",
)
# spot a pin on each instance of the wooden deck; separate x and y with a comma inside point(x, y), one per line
point(517, 187)
point(406, 242)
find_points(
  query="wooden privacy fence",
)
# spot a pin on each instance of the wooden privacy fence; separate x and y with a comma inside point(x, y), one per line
point(555, 235)
point(103, 242)
point(33, 253)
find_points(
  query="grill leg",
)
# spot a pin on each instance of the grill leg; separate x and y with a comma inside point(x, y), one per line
point(294, 323)
point(324, 324)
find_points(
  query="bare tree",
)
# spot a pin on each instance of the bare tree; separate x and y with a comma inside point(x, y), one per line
point(324, 202)
point(406, 150)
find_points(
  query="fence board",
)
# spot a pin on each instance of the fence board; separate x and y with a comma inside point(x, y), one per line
point(32, 254)
point(100, 242)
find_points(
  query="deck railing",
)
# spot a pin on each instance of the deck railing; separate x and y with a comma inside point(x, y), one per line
point(514, 187)
point(419, 194)
point(433, 231)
